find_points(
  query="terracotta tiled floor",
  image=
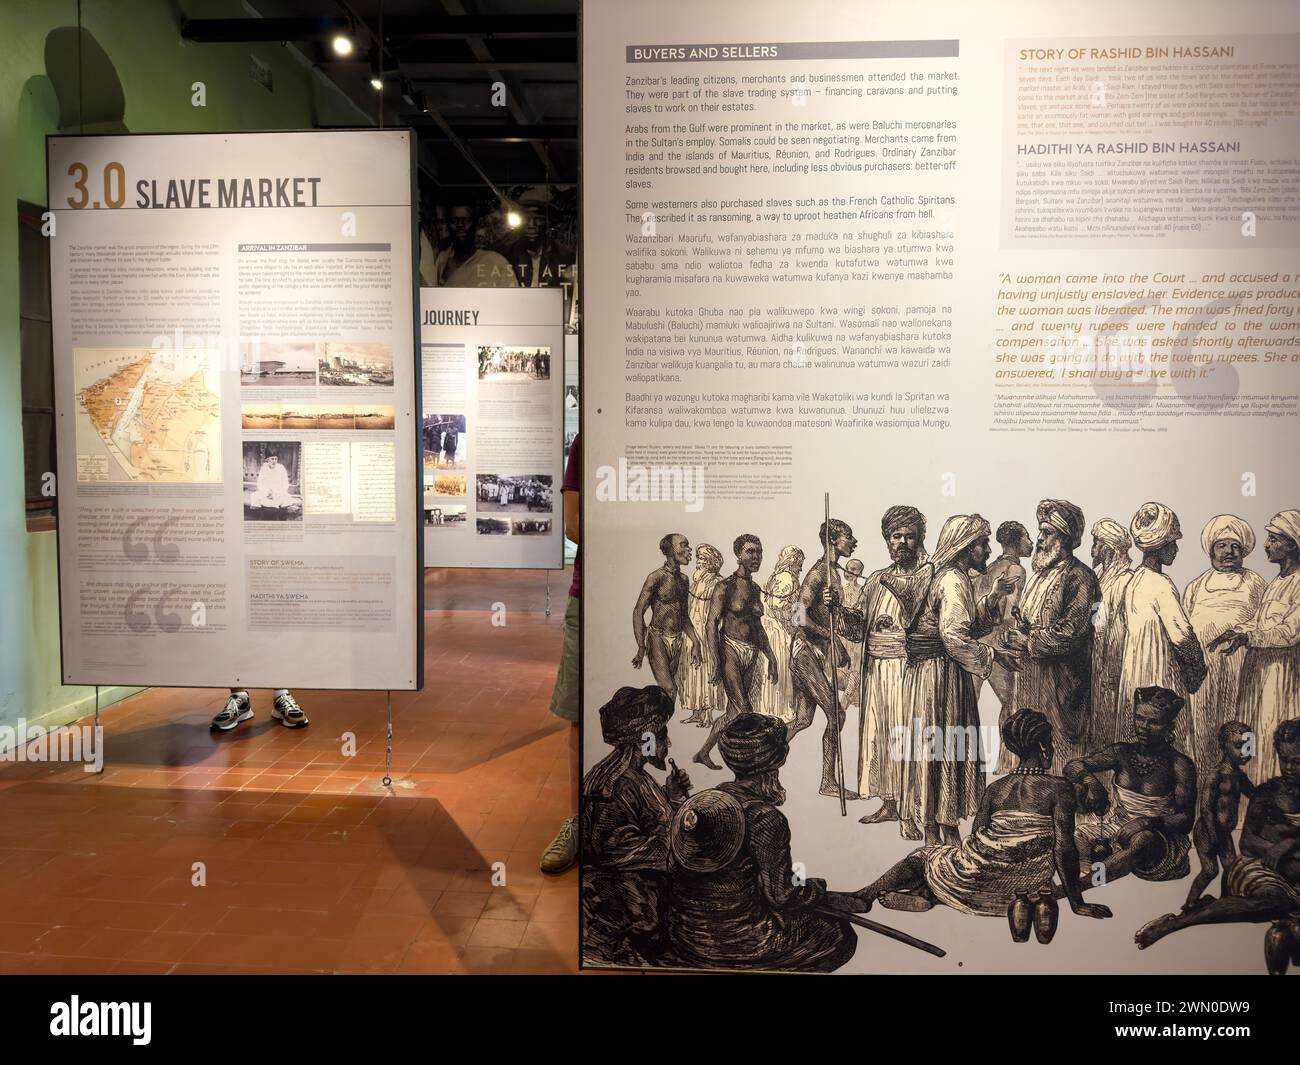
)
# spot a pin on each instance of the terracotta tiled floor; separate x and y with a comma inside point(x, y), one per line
point(311, 865)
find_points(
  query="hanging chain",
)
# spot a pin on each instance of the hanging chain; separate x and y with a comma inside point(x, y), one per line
point(548, 593)
point(388, 754)
point(99, 733)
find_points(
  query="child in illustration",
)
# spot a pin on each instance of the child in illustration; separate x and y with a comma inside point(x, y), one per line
point(1263, 884)
point(1150, 818)
point(1023, 836)
point(1218, 803)
point(666, 595)
point(735, 631)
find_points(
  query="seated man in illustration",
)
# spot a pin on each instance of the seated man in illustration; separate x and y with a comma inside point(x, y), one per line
point(1023, 835)
point(1263, 883)
point(1146, 830)
point(625, 829)
point(734, 900)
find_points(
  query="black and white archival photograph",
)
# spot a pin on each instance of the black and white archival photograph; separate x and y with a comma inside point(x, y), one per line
point(356, 364)
point(444, 515)
point(530, 526)
point(445, 442)
point(522, 364)
point(272, 480)
point(278, 364)
point(515, 493)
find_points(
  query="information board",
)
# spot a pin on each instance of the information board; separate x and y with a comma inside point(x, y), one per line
point(493, 366)
point(1010, 294)
point(236, 392)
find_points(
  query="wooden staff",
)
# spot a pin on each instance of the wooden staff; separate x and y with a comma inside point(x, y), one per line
point(834, 709)
point(881, 929)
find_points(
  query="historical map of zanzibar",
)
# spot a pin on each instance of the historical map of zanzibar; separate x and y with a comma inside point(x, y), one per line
point(148, 414)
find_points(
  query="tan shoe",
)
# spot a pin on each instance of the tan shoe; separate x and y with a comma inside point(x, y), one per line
point(563, 851)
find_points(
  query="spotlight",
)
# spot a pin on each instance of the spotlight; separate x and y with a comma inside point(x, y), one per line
point(514, 219)
point(377, 84)
point(342, 44)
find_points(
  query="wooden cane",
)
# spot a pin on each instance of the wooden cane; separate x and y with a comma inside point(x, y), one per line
point(881, 929)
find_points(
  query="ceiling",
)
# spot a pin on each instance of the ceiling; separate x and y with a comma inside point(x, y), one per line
point(490, 85)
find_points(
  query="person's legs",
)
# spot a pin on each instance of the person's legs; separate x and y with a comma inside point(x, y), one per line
point(906, 875)
point(804, 671)
point(1003, 682)
point(563, 849)
point(1207, 851)
point(575, 766)
point(1229, 909)
point(1140, 852)
point(735, 683)
point(816, 685)
point(662, 660)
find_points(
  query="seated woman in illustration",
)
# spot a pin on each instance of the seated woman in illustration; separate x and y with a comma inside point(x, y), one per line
point(1147, 829)
point(1022, 837)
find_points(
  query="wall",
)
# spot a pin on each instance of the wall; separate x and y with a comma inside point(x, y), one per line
point(153, 70)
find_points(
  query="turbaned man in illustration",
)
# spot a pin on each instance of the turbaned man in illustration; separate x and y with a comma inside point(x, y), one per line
point(735, 630)
point(1226, 596)
point(1269, 690)
point(1054, 634)
point(780, 593)
point(626, 814)
point(880, 769)
point(1160, 647)
point(734, 900)
point(813, 656)
point(944, 656)
point(666, 595)
point(698, 694)
point(1111, 563)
